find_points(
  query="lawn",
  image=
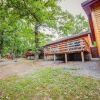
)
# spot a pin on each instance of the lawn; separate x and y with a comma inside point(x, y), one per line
point(49, 84)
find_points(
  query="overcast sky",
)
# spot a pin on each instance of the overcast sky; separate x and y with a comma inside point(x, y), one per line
point(73, 6)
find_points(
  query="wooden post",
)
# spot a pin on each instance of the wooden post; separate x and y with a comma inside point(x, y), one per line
point(90, 41)
point(44, 54)
point(66, 59)
point(54, 57)
point(44, 57)
point(82, 56)
point(90, 56)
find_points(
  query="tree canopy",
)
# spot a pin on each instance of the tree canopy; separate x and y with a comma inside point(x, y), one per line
point(72, 24)
point(20, 22)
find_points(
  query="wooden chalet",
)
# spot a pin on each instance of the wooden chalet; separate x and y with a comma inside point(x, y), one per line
point(72, 48)
point(92, 9)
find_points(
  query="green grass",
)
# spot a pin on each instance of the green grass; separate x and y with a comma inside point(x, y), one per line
point(49, 84)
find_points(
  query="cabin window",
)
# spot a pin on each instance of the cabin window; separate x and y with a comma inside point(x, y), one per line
point(75, 43)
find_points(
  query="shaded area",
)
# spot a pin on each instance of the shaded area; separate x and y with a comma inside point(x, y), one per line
point(73, 57)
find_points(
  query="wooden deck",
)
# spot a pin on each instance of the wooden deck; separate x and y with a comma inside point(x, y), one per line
point(73, 46)
point(76, 45)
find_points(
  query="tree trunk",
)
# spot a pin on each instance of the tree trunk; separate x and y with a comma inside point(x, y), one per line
point(1, 44)
point(36, 42)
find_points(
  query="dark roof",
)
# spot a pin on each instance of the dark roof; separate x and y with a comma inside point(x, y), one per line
point(89, 2)
point(69, 37)
point(86, 2)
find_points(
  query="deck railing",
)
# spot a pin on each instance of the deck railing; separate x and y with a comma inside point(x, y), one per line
point(67, 47)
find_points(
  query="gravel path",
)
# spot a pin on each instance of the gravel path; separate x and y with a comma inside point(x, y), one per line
point(22, 66)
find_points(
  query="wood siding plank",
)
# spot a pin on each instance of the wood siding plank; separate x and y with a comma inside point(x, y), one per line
point(96, 23)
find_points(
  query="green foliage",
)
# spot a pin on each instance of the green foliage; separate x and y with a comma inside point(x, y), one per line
point(73, 25)
point(80, 24)
point(22, 39)
point(53, 84)
point(94, 44)
point(15, 35)
point(20, 22)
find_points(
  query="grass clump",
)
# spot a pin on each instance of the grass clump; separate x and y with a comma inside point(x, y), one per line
point(49, 84)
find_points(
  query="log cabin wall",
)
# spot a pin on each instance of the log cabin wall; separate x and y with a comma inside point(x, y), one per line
point(95, 10)
point(60, 50)
point(92, 9)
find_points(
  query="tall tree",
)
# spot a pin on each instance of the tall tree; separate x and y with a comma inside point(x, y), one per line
point(80, 24)
point(37, 12)
point(73, 24)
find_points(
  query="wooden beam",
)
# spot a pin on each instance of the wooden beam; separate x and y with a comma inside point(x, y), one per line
point(66, 59)
point(54, 57)
point(90, 41)
point(44, 56)
point(82, 56)
point(90, 56)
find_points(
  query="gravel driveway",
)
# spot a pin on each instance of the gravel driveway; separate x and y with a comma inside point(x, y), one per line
point(22, 66)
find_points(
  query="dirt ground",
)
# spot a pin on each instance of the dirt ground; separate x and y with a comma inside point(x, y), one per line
point(23, 66)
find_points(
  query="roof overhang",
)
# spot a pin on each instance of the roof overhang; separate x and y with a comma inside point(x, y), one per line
point(87, 5)
point(69, 38)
